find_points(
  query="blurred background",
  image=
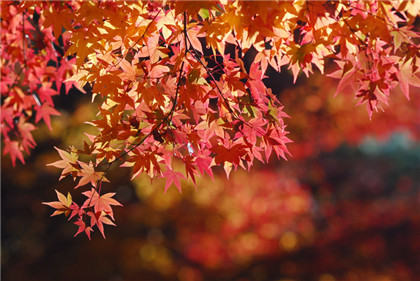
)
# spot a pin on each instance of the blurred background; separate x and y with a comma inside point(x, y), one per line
point(345, 206)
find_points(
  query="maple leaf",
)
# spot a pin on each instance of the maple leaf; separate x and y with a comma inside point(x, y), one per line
point(44, 112)
point(348, 79)
point(46, 93)
point(190, 168)
point(13, 148)
point(59, 20)
point(83, 227)
point(172, 177)
point(65, 69)
point(203, 162)
point(130, 73)
point(88, 174)
point(62, 205)
point(101, 203)
point(25, 129)
point(231, 155)
point(75, 210)
point(407, 77)
point(98, 219)
point(68, 163)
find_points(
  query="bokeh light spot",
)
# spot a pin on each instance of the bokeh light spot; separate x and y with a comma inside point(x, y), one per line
point(288, 241)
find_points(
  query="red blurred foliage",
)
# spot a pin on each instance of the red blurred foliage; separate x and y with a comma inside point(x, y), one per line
point(322, 121)
point(250, 221)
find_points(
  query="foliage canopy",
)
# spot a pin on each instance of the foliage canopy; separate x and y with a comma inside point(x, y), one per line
point(175, 82)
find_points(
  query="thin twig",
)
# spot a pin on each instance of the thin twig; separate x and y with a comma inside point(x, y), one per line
point(226, 102)
point(23, 39)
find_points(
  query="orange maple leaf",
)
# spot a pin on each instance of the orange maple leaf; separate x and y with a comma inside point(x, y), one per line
point(68, 162)
point(62, 206)
point(88, 174)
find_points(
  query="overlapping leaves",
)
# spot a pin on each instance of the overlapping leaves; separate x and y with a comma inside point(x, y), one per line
point(172, 90)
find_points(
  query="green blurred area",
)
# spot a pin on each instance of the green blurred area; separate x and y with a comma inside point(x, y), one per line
point(350, 212)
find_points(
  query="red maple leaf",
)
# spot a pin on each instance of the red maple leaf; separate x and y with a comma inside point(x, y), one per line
point(232, 154)
point(44, 112)
point(82, 227)
point(190, 168)
point(25, 130)
point(172, 177)
point(101, 203)
point(203, 163)
point(12, 147)
point(99, 219)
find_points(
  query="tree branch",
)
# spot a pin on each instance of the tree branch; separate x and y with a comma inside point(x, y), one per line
point(226, 102)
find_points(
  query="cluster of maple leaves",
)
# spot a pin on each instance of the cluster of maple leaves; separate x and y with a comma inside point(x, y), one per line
point(33, 70)
point(174, 84)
